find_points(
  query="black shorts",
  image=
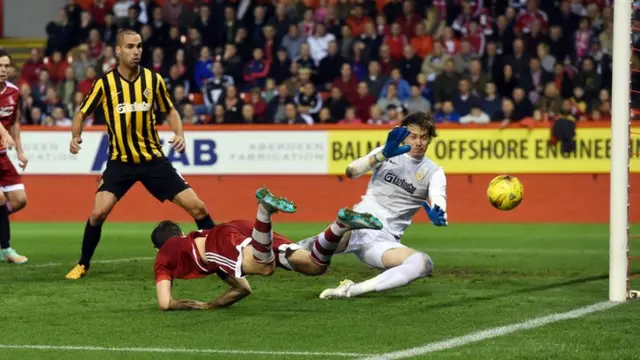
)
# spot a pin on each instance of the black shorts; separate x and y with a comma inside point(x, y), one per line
point(158, 176)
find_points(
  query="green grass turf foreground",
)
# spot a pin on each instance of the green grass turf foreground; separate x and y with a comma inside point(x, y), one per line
point(485, 276)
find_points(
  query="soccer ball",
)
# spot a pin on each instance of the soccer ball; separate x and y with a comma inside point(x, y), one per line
point(505, 192)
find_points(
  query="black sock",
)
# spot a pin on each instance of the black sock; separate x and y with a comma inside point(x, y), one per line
point(89, 243)
point(5, 230)
point(205, 223)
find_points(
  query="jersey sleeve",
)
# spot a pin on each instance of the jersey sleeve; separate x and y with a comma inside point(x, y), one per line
point(164, 98)
point(95, 97)
point(373, 152)
point(162, 270)
point(438, 189)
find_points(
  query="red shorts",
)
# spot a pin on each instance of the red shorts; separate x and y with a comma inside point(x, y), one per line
point(226, 242)
point(10, 180)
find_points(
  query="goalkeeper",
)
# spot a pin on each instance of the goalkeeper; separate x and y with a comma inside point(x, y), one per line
point(403, 179)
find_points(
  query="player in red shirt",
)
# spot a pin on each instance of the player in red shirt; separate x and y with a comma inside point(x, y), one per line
point(239, 248)
point(12, 194)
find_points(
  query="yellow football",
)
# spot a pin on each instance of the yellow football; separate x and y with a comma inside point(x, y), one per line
point(505, 192)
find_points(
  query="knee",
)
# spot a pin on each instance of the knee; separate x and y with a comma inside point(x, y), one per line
point(316, 270)
point(19, 202)
point(99, 214)
point(426, 265)
point(198, 209)
point(267, 269)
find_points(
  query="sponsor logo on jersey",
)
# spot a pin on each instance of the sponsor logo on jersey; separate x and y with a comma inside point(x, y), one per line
point(420, 174)
point(396, 180)
point(6, 111)
point(147, 93)
point(127, 108)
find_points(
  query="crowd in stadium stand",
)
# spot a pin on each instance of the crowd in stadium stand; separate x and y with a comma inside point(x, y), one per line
point(339, 61)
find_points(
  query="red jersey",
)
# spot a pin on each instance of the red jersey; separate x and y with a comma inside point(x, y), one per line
point(9, 106)
point(178, 258)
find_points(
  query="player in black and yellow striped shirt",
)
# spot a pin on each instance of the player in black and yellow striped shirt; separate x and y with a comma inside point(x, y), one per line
point(126, 97)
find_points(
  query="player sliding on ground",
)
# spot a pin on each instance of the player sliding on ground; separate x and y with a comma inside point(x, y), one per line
point(403, 178)
point(239, 248)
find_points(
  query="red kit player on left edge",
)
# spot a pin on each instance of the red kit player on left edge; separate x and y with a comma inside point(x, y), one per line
point(12, 194)
point(238, 248)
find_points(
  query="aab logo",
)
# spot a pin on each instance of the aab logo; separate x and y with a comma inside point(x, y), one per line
point(6, 111)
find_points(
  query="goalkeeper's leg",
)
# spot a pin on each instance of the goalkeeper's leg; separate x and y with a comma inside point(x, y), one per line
point(403, 265)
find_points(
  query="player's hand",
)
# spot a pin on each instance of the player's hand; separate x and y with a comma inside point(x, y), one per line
point(178, 143)
point(22, 160)
point(75, 147)
point(437, 216)
point(394, 139)
point(8, 142)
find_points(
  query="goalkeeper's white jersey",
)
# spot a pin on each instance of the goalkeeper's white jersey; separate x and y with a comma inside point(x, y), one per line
point(397, 188)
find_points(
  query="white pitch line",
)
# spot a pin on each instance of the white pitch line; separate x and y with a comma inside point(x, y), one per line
point(493, 332)
point(520, 251)
point(181, 350)
point(110, 261)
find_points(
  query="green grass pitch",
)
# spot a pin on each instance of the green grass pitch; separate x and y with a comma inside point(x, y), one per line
point(485, 276)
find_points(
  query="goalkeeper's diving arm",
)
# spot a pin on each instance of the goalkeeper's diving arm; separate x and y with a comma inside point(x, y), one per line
point(239, 290)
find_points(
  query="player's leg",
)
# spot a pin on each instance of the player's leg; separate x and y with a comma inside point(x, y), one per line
point(262, 257)
point(116, 181)
point(402, 266)
point(315, 261)
point(14, 199)
point(164, 182)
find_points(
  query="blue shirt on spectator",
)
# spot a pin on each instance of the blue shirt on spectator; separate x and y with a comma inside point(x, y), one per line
point(404, 89)
point(202, 71)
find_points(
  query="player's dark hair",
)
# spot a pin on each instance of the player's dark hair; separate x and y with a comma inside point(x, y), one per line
point(422, 119)
point(4, 53)
point(165, 230)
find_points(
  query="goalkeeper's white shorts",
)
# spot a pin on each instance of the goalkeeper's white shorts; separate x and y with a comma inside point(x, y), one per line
point(369, 246)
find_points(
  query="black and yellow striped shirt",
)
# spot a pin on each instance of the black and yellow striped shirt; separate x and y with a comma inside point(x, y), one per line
point(128, 110)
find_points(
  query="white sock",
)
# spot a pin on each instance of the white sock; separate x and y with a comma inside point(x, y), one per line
point(263, 214)
point(416, 266)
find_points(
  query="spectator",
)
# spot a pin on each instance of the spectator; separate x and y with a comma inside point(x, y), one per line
point(363, 101)
point(57, 67)
point(376, 116)
point(32, 67)
point(59, 34)
point(107, 61)
point(507, 82)
point(98, 10)
point(372, 41)
point(326, 117)
point(276, 110)
point(74, 106)
point(256, 71)
point(270, 91)
point(159, 27)
point(331, 66)
point(189, 116)
point(422, 42)
point(350, 117)
point(357, 21)
point(603, 105)
point(248, 114)
point(308, 100)
point(579, 104)
point(402, 86)
point(67, 88)
point(465, 100)
point(589, 79)
point(523, 107)
point(336, 103)
point(434, 22)
point(81, 63)
point(346, 42)
point(447, 114)
point(109, 30)
point(445, 86)
point(292, 116)
point(40, 88)
point(550, 104)
point(547, 61)
point(462, 59)
point(259, 106)
point(410, 65)
point(84, 86)
point(375, 80)
point(319, 43)
point(434, 63)
point(387, 63)
point(396, 42)
point(390, 98)
point(347, 84)
point(305, 60)
point(416, 102)
point(491, 104)
point(232, 104)
point(507, 115)
point(293, 41)
point(83, 29)
point(478, 80)
point(476, 116)
point(37, 117)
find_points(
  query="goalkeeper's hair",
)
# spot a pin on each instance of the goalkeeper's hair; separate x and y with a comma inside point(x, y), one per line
point(164, 231)
point(422, 119)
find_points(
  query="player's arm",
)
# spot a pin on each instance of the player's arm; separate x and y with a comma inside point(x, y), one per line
point(390, 149)
point(88, 106)
point(15, 133)
point(436, 208)
point(166, 302)
point(173, 117)
point(5, 138)
point(239, 290)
